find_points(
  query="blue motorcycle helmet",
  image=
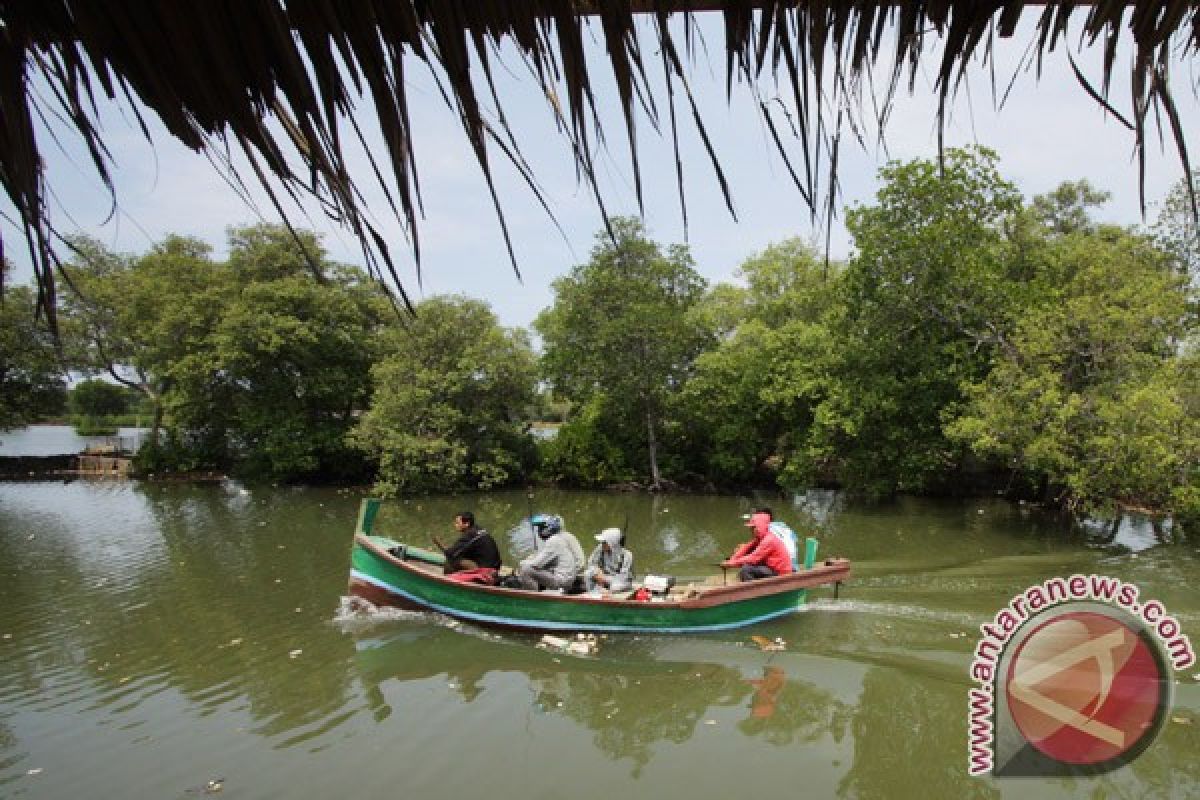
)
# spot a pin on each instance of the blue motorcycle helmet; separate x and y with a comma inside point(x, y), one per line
point(546, 525)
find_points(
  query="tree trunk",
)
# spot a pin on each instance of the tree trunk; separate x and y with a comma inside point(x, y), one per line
point(652, 446)
point(155, 424)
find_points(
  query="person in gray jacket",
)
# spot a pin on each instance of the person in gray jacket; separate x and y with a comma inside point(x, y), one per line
point(558, 560)
point(610, 565)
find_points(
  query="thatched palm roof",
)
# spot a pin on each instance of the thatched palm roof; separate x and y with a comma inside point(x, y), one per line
point(233, 74)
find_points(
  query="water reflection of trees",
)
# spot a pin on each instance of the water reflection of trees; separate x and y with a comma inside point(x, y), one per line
point(628, 712)
point(903, 729)
point(629, 700)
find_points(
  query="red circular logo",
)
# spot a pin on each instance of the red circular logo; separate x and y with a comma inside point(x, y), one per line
point(1085, 688)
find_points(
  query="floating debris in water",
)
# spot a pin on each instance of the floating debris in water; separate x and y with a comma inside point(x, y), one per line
point(212, 787)
point(767, 645)
point(294, 653)
point(585, 644)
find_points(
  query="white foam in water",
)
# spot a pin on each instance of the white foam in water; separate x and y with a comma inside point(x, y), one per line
point(356, 613)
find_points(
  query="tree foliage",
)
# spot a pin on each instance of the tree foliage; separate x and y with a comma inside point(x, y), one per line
point(252, 364)
point(970, 336)
point(32, 379)
point(753, 395)
point(452, 401)
point(97, 398)
point(135, 319)
point(922, 301)
point(620, 333)
point(1176, 231)
point(1065, 209)
point(1087, 397)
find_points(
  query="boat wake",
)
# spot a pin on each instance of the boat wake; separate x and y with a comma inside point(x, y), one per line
point(901, 610)
point(356, 615)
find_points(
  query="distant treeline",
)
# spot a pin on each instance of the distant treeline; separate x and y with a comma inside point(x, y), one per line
point(971, 338)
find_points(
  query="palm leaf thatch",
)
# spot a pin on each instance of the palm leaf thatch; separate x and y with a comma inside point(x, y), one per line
point(281, 80)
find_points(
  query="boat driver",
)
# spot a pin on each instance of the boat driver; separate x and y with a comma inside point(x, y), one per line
point(764, 556)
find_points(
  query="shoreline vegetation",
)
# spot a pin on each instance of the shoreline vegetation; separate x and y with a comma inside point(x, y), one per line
point(975, 343)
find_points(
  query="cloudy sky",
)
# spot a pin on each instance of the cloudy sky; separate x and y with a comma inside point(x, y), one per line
point(1048, 131)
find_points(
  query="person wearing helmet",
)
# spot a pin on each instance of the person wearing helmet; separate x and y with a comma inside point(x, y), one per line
point(610, 566)
point(558, 560)
point(764, 556)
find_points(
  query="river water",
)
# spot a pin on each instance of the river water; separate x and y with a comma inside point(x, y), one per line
point(157, 637)
point(57, 440)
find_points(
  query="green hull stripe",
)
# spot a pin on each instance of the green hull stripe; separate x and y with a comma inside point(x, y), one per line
point(546, 624)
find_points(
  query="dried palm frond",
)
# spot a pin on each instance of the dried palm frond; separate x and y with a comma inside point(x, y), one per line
point(278, 79)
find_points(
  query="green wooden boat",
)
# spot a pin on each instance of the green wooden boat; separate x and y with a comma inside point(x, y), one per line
point(415, 581)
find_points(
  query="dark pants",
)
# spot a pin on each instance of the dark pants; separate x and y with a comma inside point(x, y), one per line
point(752, 572)
point(458, 565)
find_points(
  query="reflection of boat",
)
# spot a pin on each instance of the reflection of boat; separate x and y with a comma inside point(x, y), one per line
point(416, 581)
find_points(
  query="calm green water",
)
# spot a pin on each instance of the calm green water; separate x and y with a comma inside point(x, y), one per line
point(157, 637)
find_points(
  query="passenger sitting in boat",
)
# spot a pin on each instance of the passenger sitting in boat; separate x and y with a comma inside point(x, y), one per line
point(764, 556)
point(558, 561)
point(474, 549)
point(610, 566)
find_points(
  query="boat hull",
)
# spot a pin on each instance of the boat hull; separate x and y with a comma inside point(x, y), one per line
point(384, 580)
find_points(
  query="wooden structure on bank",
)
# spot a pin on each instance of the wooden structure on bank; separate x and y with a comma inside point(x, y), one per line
point(111, 466)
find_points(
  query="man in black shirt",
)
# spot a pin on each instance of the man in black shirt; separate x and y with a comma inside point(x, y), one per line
point(474, 548)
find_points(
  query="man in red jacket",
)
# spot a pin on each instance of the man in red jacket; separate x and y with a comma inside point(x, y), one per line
point(764, 556)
